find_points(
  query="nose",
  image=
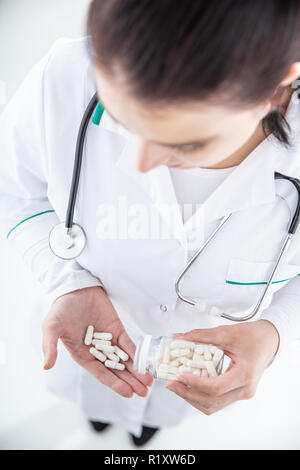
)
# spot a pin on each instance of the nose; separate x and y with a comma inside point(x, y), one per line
point(149, 157)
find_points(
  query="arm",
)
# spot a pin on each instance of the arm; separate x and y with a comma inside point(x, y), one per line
point(26, 214)
point(251, 347)
point(27, 217)
point(284, 313)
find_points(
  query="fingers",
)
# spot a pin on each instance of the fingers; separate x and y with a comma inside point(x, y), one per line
point(128, 345)
point(207, 404)
point(218, 336)
point(145, 379)
point(232, 379)
point(109, 378)
point(123, 382)
point(135, 384)
point(50, 339)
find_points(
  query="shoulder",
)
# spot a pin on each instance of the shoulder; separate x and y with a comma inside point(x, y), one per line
point(60, 75)
point(68, 65)
point(289, 156)
point(69, 83)
point(67, 54)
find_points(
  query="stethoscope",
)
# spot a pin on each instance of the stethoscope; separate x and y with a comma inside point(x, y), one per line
point(67, 240)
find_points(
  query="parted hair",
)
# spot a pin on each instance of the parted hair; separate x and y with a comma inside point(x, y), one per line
point(230, 52)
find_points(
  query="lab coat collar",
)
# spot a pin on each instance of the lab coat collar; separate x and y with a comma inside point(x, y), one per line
point(250, 184)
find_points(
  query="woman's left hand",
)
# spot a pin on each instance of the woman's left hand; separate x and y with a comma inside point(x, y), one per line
point(251, 347)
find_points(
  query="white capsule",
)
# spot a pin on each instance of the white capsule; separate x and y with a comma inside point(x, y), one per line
point(166, 356)
point(175, 363)
point(101, 342)
point(204, 373)
point(98, 354)
point(184, 360)
point(197, 364)
point(104, 347)
point(89, 335)
point(179, 352)
point(207, 356)
point(160, 353)
point(102, 335)
point(122, 354)
point(199, 349)
point(197, 357)
point(184, 369)
point(162, 375)
point(165, 375)
point(168, 368)
point(114, 365)
point(212, 348)
point(181, 343)
point(113, 357)
point(217, 357)
point(211, 369)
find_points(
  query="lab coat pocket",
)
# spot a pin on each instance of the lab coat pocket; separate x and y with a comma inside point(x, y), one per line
point(246, 280)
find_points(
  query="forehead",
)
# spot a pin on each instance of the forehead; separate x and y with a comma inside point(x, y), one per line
point(163, 121)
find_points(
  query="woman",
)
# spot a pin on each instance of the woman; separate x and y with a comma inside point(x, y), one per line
point(204, 96)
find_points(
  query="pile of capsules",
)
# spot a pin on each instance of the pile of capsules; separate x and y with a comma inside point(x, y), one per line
point(184, 356)
point(103, 350)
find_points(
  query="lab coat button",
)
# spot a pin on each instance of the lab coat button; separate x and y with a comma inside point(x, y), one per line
point(163, 308)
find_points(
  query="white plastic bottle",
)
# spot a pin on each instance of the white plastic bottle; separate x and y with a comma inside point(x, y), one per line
point(164, 357)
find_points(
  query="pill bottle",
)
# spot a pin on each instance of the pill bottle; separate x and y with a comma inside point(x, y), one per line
point(165, 358)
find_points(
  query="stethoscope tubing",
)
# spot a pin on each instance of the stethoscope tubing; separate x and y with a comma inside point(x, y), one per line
point(78, 160)
point(72, 201)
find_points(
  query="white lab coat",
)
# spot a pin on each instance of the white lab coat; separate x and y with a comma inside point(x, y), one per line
point(38, 134)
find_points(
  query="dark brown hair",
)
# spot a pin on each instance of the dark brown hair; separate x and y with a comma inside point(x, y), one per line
point(233, 52)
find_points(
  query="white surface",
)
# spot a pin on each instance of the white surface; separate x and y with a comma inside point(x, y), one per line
point(31, 418)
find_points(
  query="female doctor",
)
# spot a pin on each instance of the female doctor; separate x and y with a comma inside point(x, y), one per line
point(200, 109)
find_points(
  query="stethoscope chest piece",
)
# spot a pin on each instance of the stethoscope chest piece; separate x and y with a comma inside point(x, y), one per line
point(67, 243)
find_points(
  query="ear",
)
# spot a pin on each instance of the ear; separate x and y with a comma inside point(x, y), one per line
point(292, 76)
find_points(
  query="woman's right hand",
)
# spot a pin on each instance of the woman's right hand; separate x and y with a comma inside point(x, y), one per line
point(68, 320)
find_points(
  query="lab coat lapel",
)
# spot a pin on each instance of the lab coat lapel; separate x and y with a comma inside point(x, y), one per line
point(251, 184)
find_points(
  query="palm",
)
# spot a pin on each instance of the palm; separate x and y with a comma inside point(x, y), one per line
point(72, 313)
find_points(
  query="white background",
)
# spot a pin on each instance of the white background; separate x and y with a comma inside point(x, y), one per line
point(32, 418)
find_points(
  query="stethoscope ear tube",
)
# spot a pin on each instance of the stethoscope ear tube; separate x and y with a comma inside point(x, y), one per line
point(296, 218)
point(78, 160)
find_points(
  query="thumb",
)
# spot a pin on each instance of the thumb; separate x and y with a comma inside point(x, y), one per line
point(50, 338)
point(216, 336)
